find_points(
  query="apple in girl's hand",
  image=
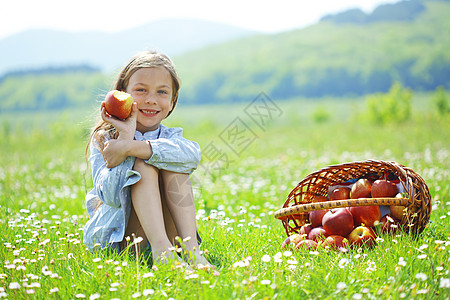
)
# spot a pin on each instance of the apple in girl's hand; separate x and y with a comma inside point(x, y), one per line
point(340, 193)
point(337, 242)
point(362, 236)
point(367, 215)
point(338, 221)
point(317, 234)
point(389, 224)
point(307, 244)
point(118, 104)
point(316, 216)
point(293, 239)
point(361, 189)
point(383, 188)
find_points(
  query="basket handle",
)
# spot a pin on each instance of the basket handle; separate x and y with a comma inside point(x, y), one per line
point(339, 203)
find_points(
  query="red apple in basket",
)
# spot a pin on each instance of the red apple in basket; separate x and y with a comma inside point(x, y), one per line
point(397, 211)
point(320, 199)
point(317, 234)
point(389, 224)
point(340, 193)
point(307, 244)
point(316, 216)
point(383, 188)
point(338, 221)
point(361, 189)
point(337, 242)
point(362, 236)
point(118, 104)
point(367, 215)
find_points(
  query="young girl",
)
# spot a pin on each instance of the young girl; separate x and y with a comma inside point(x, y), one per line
point(141, 168)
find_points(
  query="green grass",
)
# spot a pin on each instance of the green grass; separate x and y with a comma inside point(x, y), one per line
point(43, 181)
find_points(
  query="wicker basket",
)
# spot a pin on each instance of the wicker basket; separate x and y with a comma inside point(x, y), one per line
point(295, 211)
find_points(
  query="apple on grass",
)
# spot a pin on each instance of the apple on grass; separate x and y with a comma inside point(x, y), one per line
point(337, 242)
point(361, 189)
point(293, 239)
point(338, 221)
point(118, 104)
point(305, 229)
point(307, 245)
point(362, 236)
point(340, 193)
point(383, 188)
point(367, 215)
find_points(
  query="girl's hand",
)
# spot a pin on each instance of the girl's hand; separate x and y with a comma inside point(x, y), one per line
point(115, 151)
point(126, 128)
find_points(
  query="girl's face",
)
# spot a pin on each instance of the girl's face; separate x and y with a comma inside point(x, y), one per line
point(151, 89)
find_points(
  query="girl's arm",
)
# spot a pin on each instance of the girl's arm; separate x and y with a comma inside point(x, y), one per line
point(174, 153)
point(170, 152)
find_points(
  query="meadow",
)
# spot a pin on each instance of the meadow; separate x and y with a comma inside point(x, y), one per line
point(242, 180)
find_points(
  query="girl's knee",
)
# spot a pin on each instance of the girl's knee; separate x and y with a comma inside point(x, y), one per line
point(141, 166)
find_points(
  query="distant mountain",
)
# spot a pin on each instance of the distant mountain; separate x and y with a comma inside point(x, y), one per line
point(40, 48)
point(396, 12)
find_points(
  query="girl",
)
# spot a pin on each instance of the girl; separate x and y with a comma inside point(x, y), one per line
point(141, 168)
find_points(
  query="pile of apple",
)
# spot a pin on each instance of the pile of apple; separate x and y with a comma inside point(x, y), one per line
point(342, 228)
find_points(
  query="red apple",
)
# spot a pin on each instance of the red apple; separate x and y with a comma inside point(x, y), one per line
point(320, 199)
point(340, 193)
point(362, 236)
point(337, 242)
point(338, 221)
point(293, 239)
point(118, 104)
point(383, 188)
point(315, 217)
point(317, 234)
point(389, 224)
point(307, 244)
point(305, 229)
point(361, 189)
point(367, 215)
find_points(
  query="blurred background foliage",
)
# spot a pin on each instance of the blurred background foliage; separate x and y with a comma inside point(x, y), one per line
point(400, 46)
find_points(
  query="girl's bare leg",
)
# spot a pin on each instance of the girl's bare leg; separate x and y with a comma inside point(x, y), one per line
point(134, 227)
point(180, 201)
point(146, 199)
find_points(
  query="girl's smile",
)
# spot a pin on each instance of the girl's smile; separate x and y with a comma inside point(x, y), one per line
point(149, 112)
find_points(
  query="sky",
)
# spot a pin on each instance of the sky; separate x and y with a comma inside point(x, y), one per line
point(114, 15)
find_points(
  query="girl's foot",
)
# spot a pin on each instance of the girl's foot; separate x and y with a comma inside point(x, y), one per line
point(199, 261)
point(166, 257)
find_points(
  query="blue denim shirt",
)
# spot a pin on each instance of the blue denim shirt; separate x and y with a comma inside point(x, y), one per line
point(112, 186)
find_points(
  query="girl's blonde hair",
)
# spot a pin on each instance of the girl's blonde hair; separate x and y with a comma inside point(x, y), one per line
point(147, 59)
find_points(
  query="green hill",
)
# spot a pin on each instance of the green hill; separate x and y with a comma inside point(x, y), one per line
point(330, 58)
point(347, 54)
